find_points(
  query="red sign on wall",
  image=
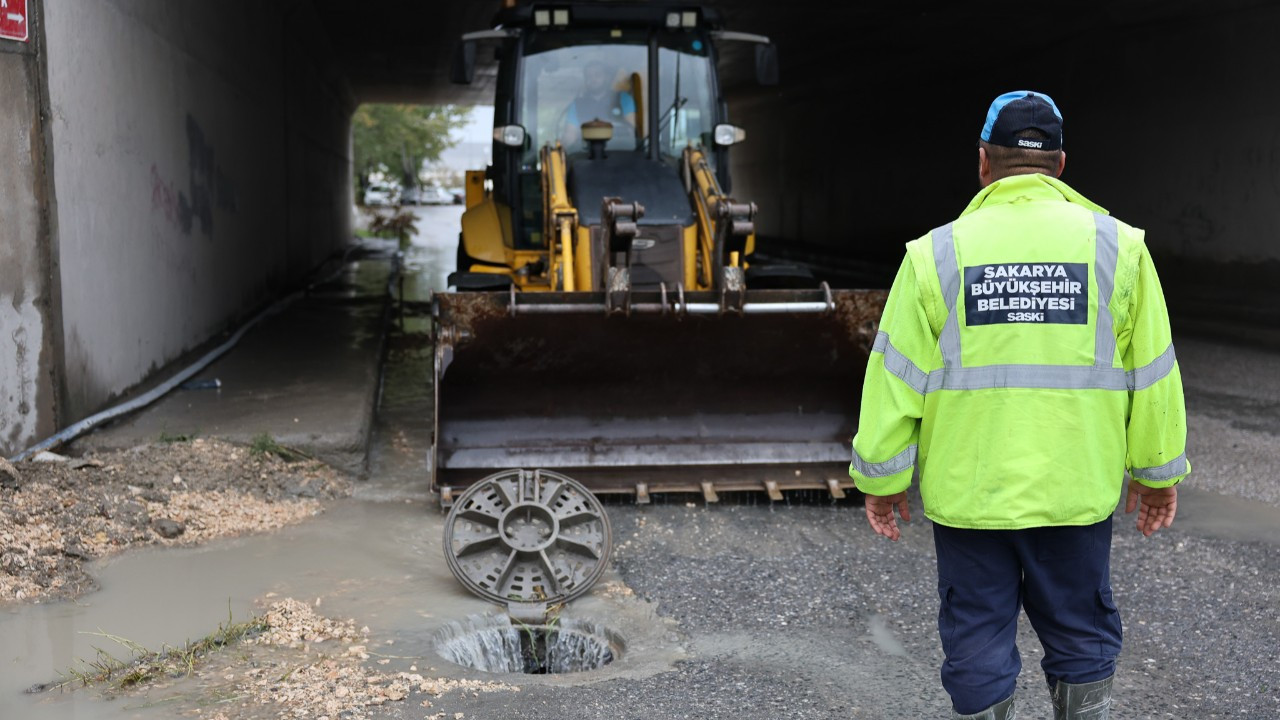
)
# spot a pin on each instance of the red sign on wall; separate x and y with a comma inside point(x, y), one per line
point(13, 20)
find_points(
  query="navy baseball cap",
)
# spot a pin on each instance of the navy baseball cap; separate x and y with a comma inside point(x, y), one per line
point(1013, 112)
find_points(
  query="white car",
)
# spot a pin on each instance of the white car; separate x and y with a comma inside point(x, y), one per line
point(436, 195)
point(411, 195)
point(380, 195)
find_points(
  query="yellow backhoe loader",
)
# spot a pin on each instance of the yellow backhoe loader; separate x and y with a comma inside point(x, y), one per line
point(607, 319)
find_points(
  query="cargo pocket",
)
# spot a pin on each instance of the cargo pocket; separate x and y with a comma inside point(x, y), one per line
point(1106, 620)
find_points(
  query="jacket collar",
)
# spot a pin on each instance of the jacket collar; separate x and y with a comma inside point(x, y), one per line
point(1024, 188)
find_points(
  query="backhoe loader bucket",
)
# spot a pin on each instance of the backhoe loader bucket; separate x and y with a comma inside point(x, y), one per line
point(667, 391)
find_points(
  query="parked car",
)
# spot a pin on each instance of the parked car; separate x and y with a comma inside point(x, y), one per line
point(411, 195)
point(458, 195)
point(380, 195)
point(436, 195)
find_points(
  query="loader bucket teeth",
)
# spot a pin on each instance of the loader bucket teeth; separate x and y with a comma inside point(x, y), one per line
point(678, 398)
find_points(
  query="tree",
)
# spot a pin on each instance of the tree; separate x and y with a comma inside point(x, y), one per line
point(396, 139)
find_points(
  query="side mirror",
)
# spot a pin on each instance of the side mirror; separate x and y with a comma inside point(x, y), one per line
point(767, 64)
point(462, 69)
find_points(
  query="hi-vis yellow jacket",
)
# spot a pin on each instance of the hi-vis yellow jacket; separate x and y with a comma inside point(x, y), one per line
point(1023, 364)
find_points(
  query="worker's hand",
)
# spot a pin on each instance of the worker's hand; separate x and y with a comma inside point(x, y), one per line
point(1156, 506)
point(880, 513)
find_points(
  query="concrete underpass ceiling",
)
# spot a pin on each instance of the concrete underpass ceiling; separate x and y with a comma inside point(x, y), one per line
point(399, 50)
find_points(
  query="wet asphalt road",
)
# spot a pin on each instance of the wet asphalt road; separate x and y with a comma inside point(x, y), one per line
point(796, 610)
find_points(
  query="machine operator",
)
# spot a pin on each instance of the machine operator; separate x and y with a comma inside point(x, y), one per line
point(598, 101)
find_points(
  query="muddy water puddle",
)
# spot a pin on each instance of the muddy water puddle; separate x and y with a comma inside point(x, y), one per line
point(363, 560)
point(1210, 514)
point(377, 562)
point(376, 559)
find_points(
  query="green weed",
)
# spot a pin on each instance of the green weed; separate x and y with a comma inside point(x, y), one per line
point(264, 444)
point(143, 666)
point(169, 438)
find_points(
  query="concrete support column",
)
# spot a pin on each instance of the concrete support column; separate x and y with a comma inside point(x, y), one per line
point(30, 311)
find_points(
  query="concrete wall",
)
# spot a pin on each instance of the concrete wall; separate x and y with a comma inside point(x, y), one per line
point(202, 150)
point(1188, 139)
point(28, 286)
point(1168, 124)
point(1186, 144)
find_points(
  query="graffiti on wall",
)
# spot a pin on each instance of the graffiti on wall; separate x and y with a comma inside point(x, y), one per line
point(164, 198)
point(208, 187)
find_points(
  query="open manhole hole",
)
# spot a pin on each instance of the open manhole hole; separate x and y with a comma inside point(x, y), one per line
point(493, 643)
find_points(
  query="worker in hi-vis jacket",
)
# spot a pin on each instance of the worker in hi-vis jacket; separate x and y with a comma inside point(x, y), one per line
point(1023, 365)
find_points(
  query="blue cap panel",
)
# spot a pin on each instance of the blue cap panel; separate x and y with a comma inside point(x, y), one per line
point(1019, 110)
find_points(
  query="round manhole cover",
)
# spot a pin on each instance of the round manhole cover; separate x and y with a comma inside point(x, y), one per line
point(527, 536)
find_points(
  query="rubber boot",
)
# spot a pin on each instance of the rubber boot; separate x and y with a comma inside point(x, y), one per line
point(1002, 710)
point(1083, 701)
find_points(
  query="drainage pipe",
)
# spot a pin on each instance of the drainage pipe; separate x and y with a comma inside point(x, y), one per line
point(78, 429)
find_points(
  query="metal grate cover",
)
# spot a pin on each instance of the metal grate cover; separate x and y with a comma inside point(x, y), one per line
point(527, 537)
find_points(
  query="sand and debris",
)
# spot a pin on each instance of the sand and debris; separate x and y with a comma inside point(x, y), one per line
point(58, 513)
point(323, 672)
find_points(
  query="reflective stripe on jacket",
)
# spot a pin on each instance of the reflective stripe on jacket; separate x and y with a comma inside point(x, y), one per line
point(1023, 364)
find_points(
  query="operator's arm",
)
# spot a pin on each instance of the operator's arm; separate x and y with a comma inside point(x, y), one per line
point(572, 132)
point(884, 450)
point(627, 104)
point(1157, 430)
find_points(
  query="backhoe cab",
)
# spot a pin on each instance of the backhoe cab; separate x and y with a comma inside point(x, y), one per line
point(598, 102)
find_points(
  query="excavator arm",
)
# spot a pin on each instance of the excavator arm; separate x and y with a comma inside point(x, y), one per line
point(559, 217)
point(726, 229)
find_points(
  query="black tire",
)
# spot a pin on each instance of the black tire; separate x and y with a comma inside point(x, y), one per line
point(464, 260)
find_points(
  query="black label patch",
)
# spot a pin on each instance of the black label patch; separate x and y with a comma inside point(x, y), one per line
point(1027, 293)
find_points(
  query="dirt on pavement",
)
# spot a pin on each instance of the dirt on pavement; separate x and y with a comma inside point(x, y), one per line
point(305, 665)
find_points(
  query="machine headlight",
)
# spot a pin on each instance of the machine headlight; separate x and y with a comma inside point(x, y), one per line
point(510, 135)
point(551, 16)
point(726, 135)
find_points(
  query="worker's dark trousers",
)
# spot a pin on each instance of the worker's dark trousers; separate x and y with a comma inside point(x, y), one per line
point(1060, 574)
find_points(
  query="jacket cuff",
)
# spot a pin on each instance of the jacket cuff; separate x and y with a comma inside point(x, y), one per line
point(887, 485)
point(885, 478)
point(1163, 476)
